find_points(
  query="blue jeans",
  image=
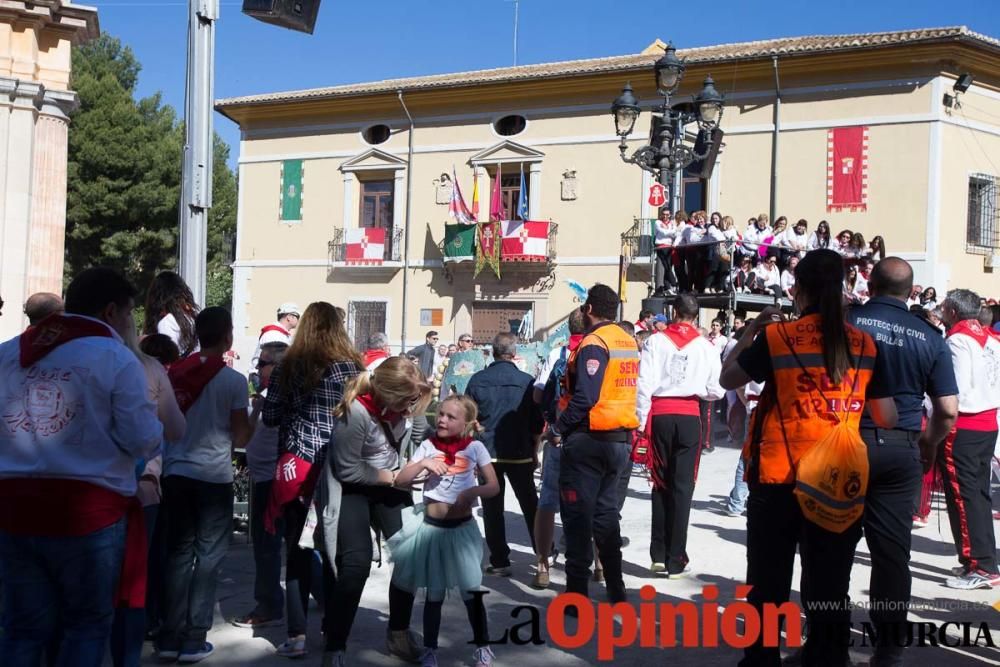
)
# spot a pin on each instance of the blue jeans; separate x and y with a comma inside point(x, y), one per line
point(737, 500)
point(267, 556)
point(129, 629)
point(199, 519)
point(59, 591)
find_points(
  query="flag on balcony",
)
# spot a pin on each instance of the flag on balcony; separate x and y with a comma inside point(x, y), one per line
point(497, 210)
point(525, 241)
point(475, 194)
point(522, 198)
point(459, 243)
point(457, 208)
point(364, 245)
point(488, 247)
point(847, 169)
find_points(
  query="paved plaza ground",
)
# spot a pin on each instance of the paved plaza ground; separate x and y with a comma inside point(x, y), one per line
point(716, 547)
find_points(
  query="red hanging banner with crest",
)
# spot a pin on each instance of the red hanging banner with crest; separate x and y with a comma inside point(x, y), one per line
point(847, 169)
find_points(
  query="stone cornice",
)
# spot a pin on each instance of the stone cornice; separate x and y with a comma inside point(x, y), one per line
point(56, 103)
point(76, 22)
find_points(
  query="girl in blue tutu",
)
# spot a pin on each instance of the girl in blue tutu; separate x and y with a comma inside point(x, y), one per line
point(439, 546)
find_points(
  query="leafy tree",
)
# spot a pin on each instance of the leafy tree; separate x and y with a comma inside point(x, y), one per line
point(124, 175)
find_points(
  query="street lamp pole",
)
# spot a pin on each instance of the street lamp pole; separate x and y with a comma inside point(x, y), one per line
point(667, 156)
point(196, 178)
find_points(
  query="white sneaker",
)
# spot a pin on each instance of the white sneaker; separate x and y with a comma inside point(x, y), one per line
point(429, 658)
point(293, 647)
point(484, 656)
point(973, 580)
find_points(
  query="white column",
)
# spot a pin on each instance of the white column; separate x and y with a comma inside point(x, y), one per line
point(483, 178)
point(715, 186)
point(15, 201)
point(47, 236)
point(935, 274)
point(535, 191)
point(349, 181)
point(398, 199)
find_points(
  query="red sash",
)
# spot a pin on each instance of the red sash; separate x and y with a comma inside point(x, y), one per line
point(53, 331)
point(74, 508)
point(189, 377)
point(293, 479)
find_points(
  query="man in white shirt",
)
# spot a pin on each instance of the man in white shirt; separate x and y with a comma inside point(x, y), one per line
point(77, 421)
point(965, 458)
point(767, 277)
point(676, 369)
point(279, 331)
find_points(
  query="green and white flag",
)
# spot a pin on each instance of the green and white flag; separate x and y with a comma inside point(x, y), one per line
point(291, 190)
point(459, 243)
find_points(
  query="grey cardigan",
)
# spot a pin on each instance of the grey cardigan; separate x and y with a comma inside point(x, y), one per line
point(358, 449)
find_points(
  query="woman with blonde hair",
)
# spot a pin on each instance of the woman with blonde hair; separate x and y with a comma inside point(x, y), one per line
point(303, 392)
point(357, 493)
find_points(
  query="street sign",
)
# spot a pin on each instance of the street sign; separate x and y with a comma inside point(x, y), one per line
point(657, 196)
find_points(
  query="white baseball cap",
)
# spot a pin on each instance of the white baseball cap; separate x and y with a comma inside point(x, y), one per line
point(289, 308)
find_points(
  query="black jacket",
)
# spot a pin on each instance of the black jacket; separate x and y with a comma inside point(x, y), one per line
point(507, 410)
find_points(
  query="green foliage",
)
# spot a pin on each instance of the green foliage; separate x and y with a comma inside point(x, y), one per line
point(124, 175)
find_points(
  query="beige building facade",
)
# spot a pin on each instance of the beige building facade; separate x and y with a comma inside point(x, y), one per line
point(932, 170)
point(35, 100)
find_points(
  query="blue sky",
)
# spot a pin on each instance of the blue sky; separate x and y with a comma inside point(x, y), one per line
point(380, 39)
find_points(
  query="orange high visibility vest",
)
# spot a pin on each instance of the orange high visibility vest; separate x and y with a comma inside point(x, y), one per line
point(615, 407)
point(796, 411)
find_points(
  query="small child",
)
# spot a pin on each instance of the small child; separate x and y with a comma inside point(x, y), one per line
point(439, 546)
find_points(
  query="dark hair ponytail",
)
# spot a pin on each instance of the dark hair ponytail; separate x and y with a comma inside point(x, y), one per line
point(819, 279)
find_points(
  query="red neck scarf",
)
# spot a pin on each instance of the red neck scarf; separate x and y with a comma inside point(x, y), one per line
point(190, 375)
point(376, 410)
point(971, 328)
point(574, 341)
point(450, 446)
point(52, 332)
point(275, 327)
point(372, 355)
point(681, 333)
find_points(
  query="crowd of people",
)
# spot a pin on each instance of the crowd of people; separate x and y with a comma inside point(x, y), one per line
point(117, 460)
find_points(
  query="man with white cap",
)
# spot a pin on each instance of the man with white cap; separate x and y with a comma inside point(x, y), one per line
point(280, 331)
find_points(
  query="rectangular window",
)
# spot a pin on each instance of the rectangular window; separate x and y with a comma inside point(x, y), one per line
point(982, 231)
point(694, 194)
point(510, 192)
point(365, 318)
point(292, 173)
point(376, 204)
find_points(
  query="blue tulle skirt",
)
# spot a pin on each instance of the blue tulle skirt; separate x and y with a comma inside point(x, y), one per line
point(436, 555)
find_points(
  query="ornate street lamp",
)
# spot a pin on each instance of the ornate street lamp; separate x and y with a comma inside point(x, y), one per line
point(666, 156)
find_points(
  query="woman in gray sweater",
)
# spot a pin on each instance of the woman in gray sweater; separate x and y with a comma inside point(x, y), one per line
point(357, 493)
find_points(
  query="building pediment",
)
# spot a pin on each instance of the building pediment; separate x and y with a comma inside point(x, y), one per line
point(373, 160)
point(504, 152)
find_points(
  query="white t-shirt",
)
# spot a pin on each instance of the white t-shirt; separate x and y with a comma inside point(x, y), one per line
point(205, 451)
point(787, 282)
point(461, 474)
point(169, 327)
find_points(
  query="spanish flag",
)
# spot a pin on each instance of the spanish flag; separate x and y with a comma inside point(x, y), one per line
point(475, 195)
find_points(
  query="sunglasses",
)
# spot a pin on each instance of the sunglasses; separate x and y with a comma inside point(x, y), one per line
point(464, 340)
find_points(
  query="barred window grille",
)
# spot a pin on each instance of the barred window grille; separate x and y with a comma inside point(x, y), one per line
point(983, 225)
point(363, 319)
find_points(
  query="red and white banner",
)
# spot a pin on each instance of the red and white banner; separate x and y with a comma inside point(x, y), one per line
point(847, 169)
point(525, 241)
point(365, 245)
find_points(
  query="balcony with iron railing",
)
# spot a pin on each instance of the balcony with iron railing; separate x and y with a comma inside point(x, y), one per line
point(345, 255)
point(520, 251)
